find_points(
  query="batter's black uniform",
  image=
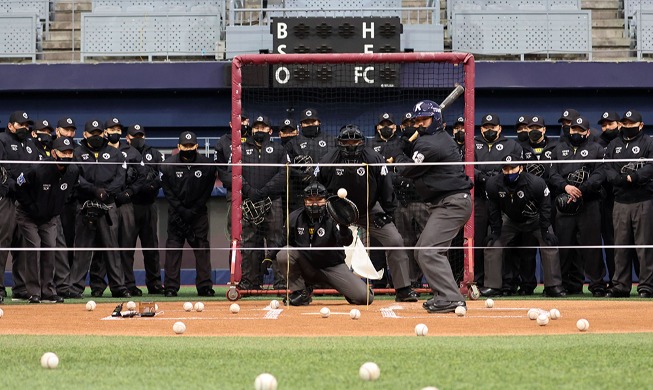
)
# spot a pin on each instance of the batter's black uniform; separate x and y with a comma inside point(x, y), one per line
point(40, 201)
point(633, 207)
point(258, 184)
point(583, 228)
point(103, 231)
point(485, 151)
point(187, 188)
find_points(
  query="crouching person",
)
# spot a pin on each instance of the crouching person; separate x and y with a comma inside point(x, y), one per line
point(312, 227)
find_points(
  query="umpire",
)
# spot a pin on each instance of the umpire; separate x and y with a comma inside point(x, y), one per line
point(187, 179)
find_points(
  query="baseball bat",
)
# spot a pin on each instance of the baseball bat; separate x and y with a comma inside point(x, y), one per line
point(455, 94)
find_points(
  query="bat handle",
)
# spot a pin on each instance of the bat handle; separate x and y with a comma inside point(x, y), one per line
point(414, 136)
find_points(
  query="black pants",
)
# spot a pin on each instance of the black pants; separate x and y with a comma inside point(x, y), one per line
point(7, 227)
point(633, 225)
point(146, 220)
point(63, 259)
point(39, 265)
point(267, 234)
point(481, 225)
point(519, 264)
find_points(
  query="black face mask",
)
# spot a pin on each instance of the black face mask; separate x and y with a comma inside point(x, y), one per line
point(490, 135)
point(311, 131)
point(260, 137)
point(511, 178)
point(630, 132)
point(386, 132)
point(577, 139)
point(535, 135)
point(459, 137)
point(245, 130)
point(610, 134)
point(63, 159)
point(285, 140)
point(315, 212)
point(522, 136)
point(95, 141)
point(45, 140)
point(138, 143)
point(113, 138)
point(188, 155)
point(21, 133)
point(565, 130)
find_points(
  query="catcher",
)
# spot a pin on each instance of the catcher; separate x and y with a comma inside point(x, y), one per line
point(578, 221)
point(311, 226)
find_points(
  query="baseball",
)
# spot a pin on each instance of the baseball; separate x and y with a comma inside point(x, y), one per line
point(1, 313)
point(91, 305)
point(49, 360)
point(234, 308)
point(131, 305)
point(555, 314)
point(369, 371)
point(342, 193)
point(489, 303)
point(179, 327)
point(199, 306)
point(355, 314)
point(265, 382)
point(461, 311)
point(274, 304)
point(325, 312)
point(533, 313)
point(421, 330)
point(583, 324)
point(188, 306)
point(542, 319)
point(156, 307)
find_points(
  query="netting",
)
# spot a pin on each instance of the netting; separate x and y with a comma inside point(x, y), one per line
point(370, 92)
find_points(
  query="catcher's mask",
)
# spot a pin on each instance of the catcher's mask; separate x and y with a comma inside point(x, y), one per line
point(255, 212)
point(351, 142)
point(315, 201)
point(578, 177)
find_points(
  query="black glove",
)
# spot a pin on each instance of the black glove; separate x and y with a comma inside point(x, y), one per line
point(382, 219)
point(634, 178)
point(124, 197)
point(549, 238)
point(256, 195)
point(491, 239)
point(407, 146)
point(621, 180)
point(101, 194)
point(343, 230)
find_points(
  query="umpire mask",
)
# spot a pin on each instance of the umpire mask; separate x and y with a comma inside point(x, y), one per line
point(315, 201)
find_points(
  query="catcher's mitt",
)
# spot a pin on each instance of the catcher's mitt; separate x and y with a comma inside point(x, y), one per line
point(255, 212)
point(342, 210)
point(578, 177)
point(565, 207)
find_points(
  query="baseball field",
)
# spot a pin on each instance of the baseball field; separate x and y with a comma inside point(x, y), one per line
point(498, 347)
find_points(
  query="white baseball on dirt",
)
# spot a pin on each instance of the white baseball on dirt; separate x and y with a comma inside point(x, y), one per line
point(265, 381)
point(355, 314)
point(179, 327)
point(542, 319)
point(234, 308)
point(533, 313)
point(582, 324)
point(131, 305)
point(421, 330)
point(188, 306)
point(555, 314)
point(274, 304)
point(461, 311)
point(49, 360)
point(489, 303)
point(342, 193)
point(199, 306)
point(91, 305)
point(1, 313)
point(325, 312)
point(369, 371)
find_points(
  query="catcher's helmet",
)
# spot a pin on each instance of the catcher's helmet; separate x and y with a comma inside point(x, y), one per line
point(428, 108)
point(347, 148)
point(315, 211)
point(315, 190)
point(578, 177)
point(564, 206)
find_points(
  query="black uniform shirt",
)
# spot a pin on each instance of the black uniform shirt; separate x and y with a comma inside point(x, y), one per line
point(109, 175)
point(269, 180)
point(387, 148)
point(316, 147)
point(136, 171)
point(188, 185)
point(15, 150)
point(588, 150)
point(542, 152)
point(496, 151)
point(641, 147)
point(152, 158)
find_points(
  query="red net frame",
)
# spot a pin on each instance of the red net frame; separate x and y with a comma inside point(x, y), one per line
point(464, 59)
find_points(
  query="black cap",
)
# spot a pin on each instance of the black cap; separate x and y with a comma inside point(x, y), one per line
point(386, 116)
point(459, 120)
point(513, 156)
point(288, 123)
point(187, 137)
point(20, 117)
point(610, 116)
point(112, 122)
point(42, 124)
point(536, 121)
point(490, 119)
point(93, 125)
point(632, 115)
point(66, 122)
point(309, 114)
point(407, 117)
point(261, 119)
point(581, 122)
point(63, 143)
point(244, 115)
point(522, 120)
point(569, 114)
point(136, 129)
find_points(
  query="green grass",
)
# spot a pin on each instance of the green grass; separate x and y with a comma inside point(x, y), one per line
point(585, 361)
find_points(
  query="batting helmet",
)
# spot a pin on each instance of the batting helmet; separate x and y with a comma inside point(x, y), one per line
point(565, 206)
point(428, 108)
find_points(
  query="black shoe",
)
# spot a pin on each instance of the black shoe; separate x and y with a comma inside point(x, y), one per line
point(247, 286)
point(20, 296)
point(53, 299)
point(555, 292)
point(490, 292)
point(616, 293)
point(299, 298)
point(170, 293)
point(444, 306)
point(136, 292)
point(34, 299)
point(523, 291)
point(574, 291)
point(156, 290)
point(206, 292)
point(121, 294)
point(73, 295)
point(598, 293)
point(406, 294)
point(645, 294)
point(97, 293)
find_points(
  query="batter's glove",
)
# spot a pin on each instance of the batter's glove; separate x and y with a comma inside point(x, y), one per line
point(382, 219)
